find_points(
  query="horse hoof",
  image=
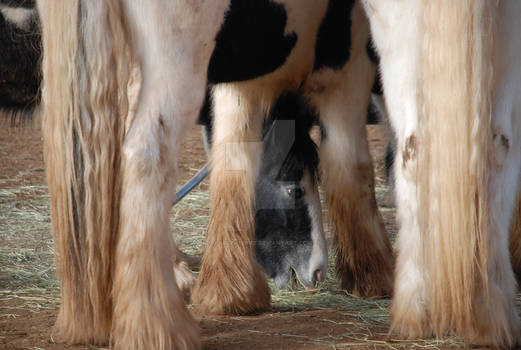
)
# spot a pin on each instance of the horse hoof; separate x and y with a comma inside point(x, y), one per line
point(232, 293)
point(375, 280)
point(185, 279)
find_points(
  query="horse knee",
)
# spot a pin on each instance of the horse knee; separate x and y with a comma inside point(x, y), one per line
point(148, 152)
point(500, 149)
point(408, 153)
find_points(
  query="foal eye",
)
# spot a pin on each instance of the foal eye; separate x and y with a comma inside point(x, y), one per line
point(295, 191)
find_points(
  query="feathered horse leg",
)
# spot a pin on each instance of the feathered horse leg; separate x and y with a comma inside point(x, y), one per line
point(453, 274)
point(364, 255)
point(231, 281)
point(173, 43)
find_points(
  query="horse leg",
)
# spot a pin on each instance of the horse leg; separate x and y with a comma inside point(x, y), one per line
point(231, 281)
point(515, 228)
point(364, 261)
point(364, 255)
point(173, 43)
point(470, 293)
point(497, 321)
point(184, 277)
point(396, 40)
point(148, 306)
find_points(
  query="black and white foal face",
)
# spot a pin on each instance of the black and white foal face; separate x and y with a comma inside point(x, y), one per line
point(288, 225)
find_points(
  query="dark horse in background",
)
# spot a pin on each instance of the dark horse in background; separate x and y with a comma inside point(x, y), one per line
point(20, 44)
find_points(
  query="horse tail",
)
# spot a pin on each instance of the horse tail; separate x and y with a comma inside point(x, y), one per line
point(84, 97)
point(456, 85)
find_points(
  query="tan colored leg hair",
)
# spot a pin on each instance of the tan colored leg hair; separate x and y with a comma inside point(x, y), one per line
point(231, 281)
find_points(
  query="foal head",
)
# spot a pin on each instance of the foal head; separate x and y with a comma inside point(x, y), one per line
point(288, 224)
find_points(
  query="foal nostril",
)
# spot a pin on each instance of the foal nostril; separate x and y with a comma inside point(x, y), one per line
point(319, 275)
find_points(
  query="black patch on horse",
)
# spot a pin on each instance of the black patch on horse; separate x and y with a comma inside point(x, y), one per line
point(333, 46)
point(251, 42)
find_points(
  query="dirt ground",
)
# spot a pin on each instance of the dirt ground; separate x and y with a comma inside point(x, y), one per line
point(326, 318)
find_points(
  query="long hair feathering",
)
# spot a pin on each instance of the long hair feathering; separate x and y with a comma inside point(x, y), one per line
point(455, 88)
point(85, 70)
